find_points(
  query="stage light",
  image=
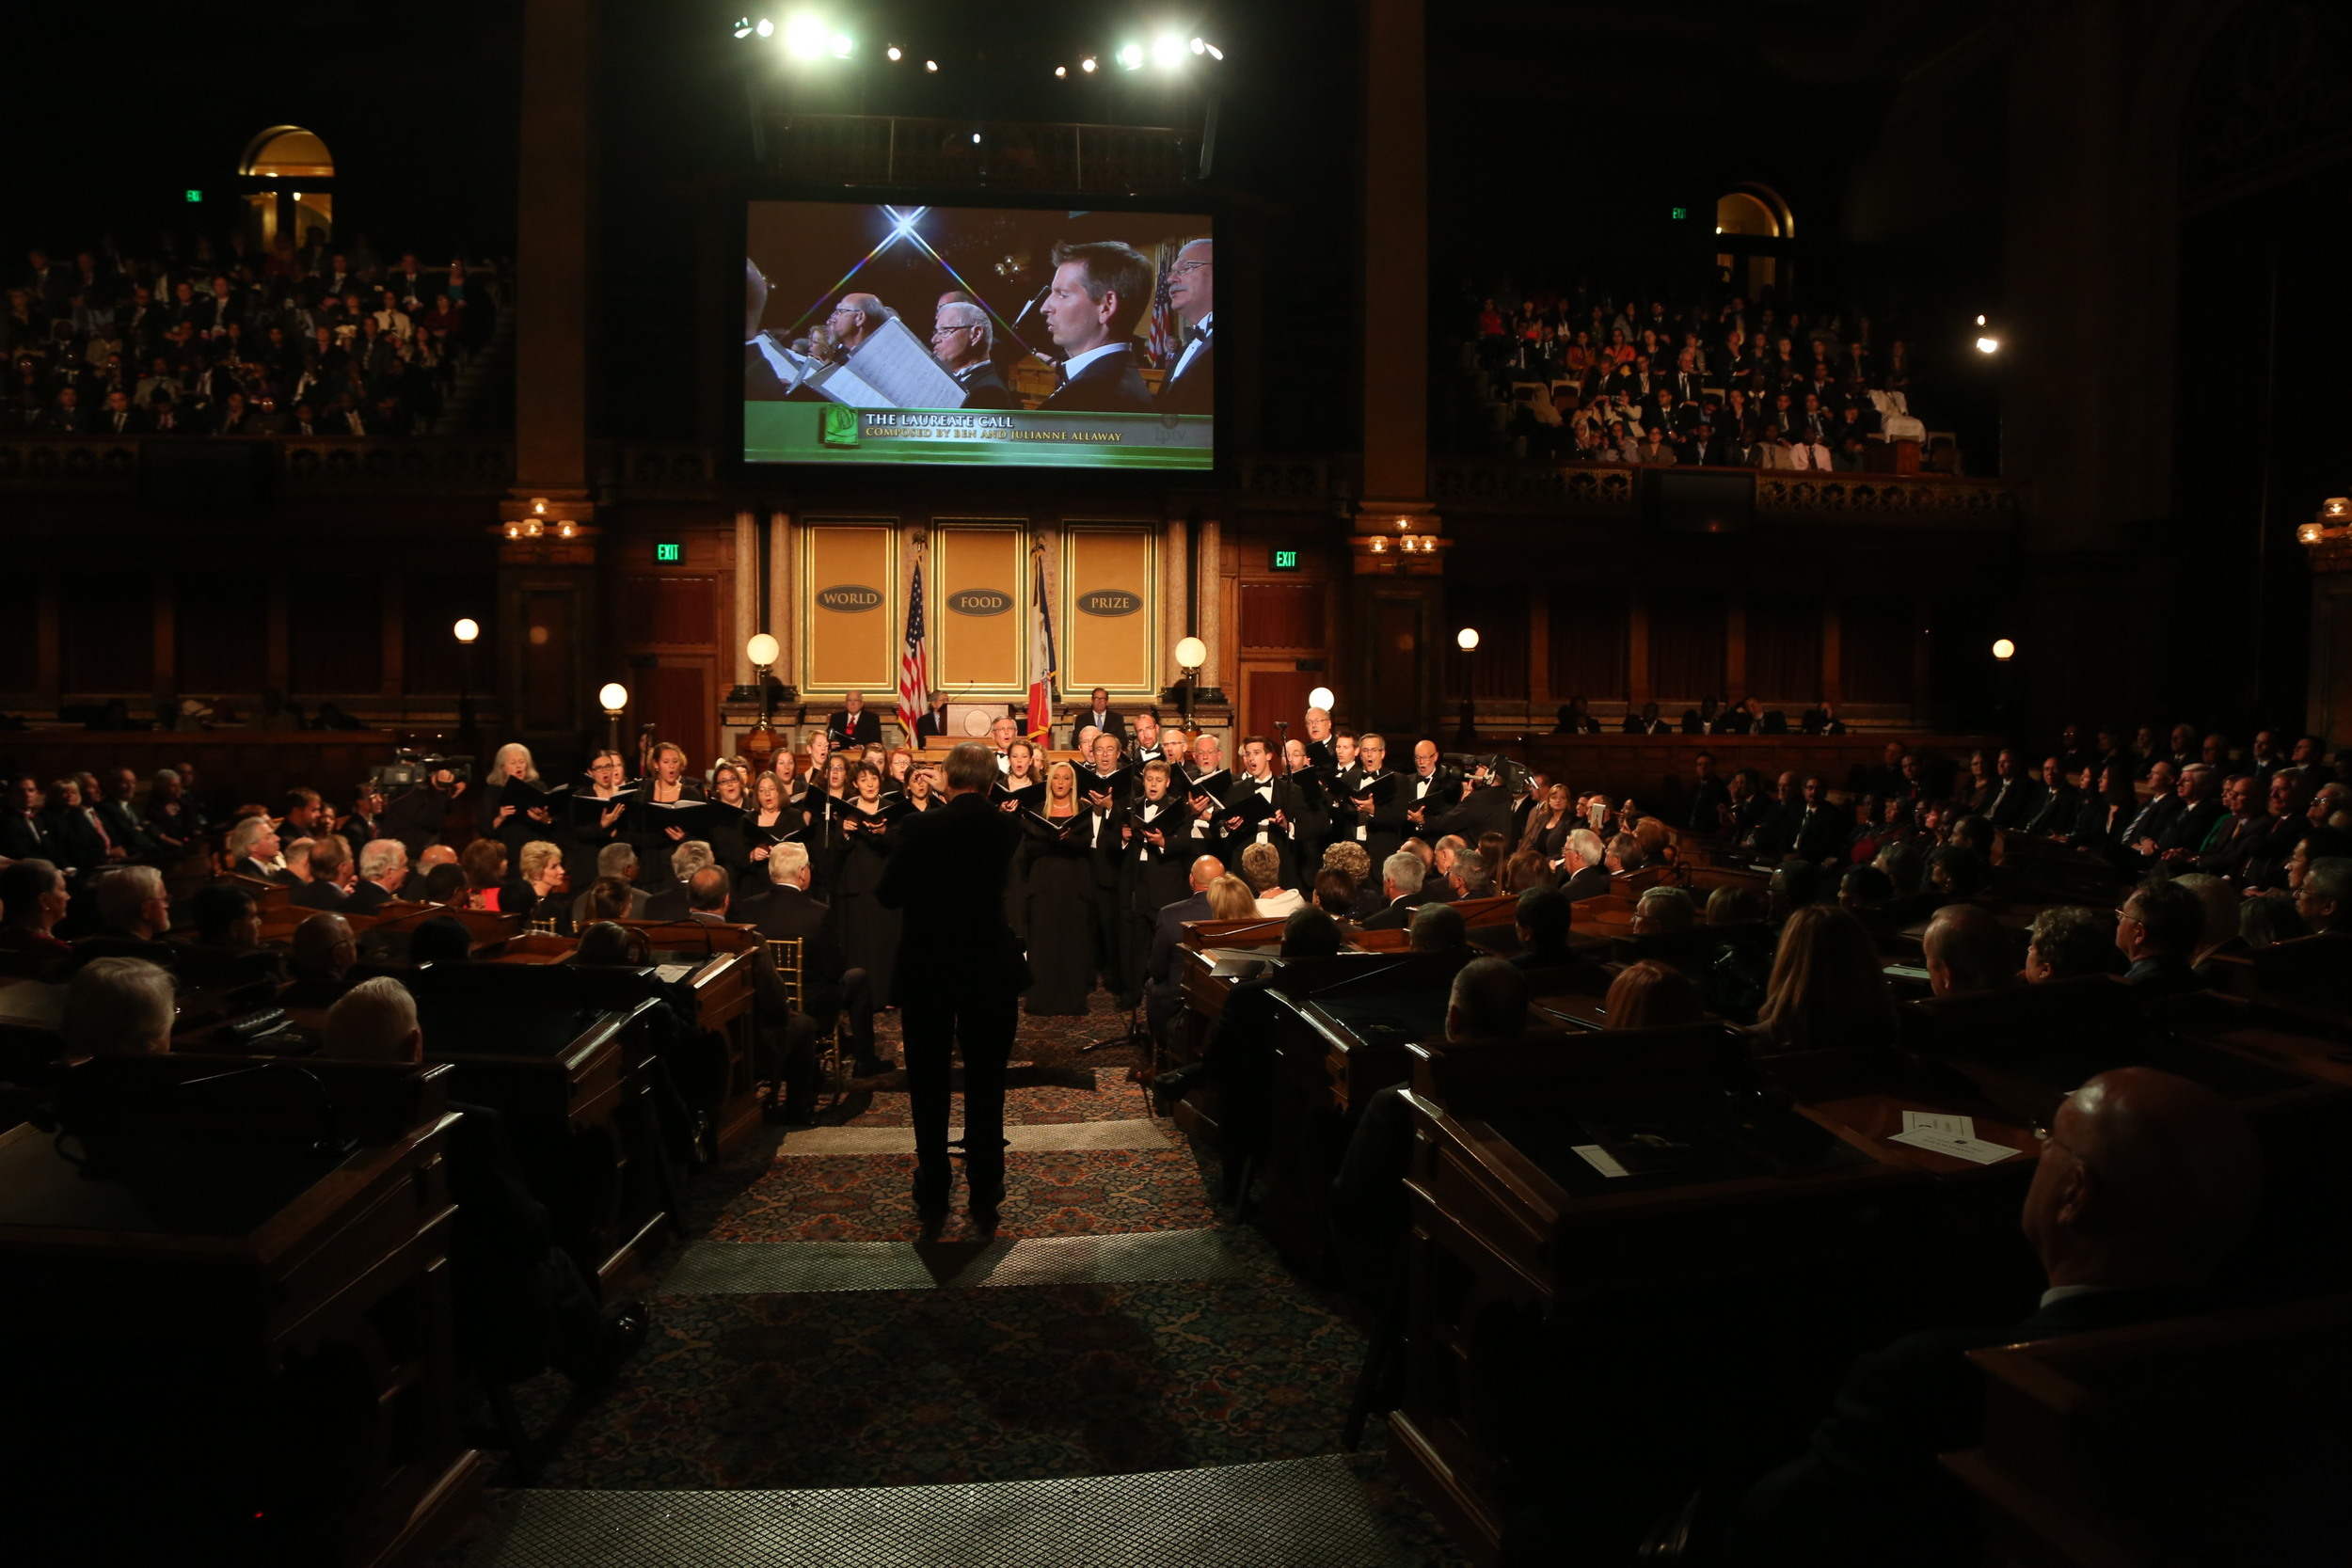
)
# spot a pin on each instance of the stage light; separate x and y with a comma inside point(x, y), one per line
point(1988, 345)
point(840, 42)
point(1979, 321)
point(743, 28)
point(975, 138)
point(1061, 72)
point(1130, 57)
point(766, 29)
point(894, 52)
point(930, 65)
point(762, 649)
point(1467, 639)
point(1086, 65)
point(1214, 53)
point(805, 38)
point(465, 631)
point(1168, 51)
point(2336, 508)
point(1321, 697)
point(1198, 47)
point(2311, 533)
point(2004, 650)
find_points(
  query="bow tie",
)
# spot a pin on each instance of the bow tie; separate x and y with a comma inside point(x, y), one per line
point(1197, 334)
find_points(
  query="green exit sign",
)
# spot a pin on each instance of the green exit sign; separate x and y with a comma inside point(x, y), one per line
point(1681, 212)
point(195, 196)
point(669, 552)
point(1286, 560)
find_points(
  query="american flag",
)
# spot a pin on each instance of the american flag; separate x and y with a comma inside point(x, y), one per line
point(914, 667)
point(1166, 342)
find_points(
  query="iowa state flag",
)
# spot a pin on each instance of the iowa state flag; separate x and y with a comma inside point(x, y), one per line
point(1044, 687)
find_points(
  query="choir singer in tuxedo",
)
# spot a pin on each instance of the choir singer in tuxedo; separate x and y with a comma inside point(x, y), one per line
point(960, 342)
point(958, 979)
point(1100, 292)
point(1190, 386)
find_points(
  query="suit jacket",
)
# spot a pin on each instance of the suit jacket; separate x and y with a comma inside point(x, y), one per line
point(2013, 802)
point(866, 732)
point(1590, 882)
point(668, 904)
point(1194, 391)
point(931, 723)
point(365, 898)
point(1708, 798)
point(984, 388)
point(948, 873)
point(1112, 724)
point(1111, 384)
point(2232, 843)
point(785, 911)
point(1292, 802)
point(1164, 966)
point(319, 896)
point(1398, 915)
point(2056, 811)
point(640, 903)
point(2188, 829)
point(1871, 1475)
point(761, 383)
point(1635, 724)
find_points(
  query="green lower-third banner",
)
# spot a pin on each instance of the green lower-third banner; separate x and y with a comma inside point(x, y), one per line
point(830, 432)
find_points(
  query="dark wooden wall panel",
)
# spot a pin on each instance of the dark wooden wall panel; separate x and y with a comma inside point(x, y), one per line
point(222, 631)
point(1686, 645)
point(435, 603)
point(676, 699)
point(670, 611)
point(1283, 615)
point(1784, 649)
point(1588, 643)
point(1271, 694)
point(1876, 641)
point(335, 634)
point(1499, 669)
point(19, 647)
point(107, 621)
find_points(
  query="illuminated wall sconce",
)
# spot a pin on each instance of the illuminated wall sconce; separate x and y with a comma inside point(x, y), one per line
point(2334, 522)
point(2003, 649)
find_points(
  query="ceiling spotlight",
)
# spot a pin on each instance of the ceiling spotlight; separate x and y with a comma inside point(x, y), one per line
point(1130, 57)
point(975, 138)
point(2003, 649)
point(1214, 53)
point(1979, 321)
point(1060, 71)
point(840, 42)
point(805, 38)
point(1198, 47)
point(930, 65)
point(893, 52)
point(1087, 64)
point(743, 28)
point(1988, 345)
point(1168, 51)
point(766, 29)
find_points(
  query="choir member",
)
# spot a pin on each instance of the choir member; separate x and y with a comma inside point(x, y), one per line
point(1152, 872)
point(1055, 874)
point(726, 830)
point(869, 932)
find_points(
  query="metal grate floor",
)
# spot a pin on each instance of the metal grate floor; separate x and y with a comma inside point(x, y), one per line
point(1291, 1514)
point(762, 1268)
point(1043, 1137)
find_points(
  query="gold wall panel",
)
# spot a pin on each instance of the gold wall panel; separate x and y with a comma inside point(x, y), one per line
point(979, 611)
point(1108, 617)
point(852, 610)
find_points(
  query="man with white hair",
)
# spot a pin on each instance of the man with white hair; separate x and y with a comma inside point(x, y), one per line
point(253, 851)
point(131, 904)
point(615, 862)
point(1401, 875)
point(1191, 385)
point(672, 902)
point(961, 340)
point(1583, 864)
point(116, 1004)
point(383, 866)
point(829, 989)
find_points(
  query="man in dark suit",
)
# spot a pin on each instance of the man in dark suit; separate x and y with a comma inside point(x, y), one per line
point(1709, 795)
point(2184, 833)
point(1101, 716)
point(1265, 808)
point(1100, 292)
point(829, 987)
point(2015, 796)
point(961, 341)
point(1402, 878)
point(934, 718)
point(853, 725)
point(959, 980)
point(2059, 804)
point(1584, 867)
point(1163, 968)
point(383, 866)
point(2145, 1184)
point(1647, 722)
point(1190, 386)
point(1811, 827)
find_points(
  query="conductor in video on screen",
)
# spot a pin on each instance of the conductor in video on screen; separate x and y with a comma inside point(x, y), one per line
point(960, 340)
point(765, 368)
point(1099, 292)
point(1191, 385)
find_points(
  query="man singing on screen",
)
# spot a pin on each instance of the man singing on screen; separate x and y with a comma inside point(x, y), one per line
point(961, 340)
point(1191, 382)
point(1099, 292)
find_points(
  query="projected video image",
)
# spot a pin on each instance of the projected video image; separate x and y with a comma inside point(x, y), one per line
point(904, 334)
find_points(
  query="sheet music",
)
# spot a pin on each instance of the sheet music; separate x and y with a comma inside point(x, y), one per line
point(891, 370)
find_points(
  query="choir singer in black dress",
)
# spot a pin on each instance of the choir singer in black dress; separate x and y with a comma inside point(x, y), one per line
point(959, 978)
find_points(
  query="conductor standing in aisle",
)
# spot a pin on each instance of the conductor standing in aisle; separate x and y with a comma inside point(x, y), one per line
point(959, 978)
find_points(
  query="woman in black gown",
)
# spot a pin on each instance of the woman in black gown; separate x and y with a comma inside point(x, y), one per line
point(730, 845)
point(869, 932)
point(828, 798)
point(1057, 879)
point(773, 819)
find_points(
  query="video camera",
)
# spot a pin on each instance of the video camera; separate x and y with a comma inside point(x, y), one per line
point(1499, 769)
point(409, 769)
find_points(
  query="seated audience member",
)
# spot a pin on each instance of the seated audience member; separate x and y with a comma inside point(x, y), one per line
point(604, 944)
point(442, 940)
point(546, 886)
point(383, 866)
point(1651, 995)
point(829, 989)
point(113, 1004)
point(1826, 991)
point(1525, 870)
point(297, 858)
point(1542, 919)
point(2219, 901)
point(2157, 931)
point(1439, 928)
point(445, 884)
point(1336, 894)
point(1488, 1001)
point(1584, 863)
point(608, 898)
point(2325, 899)
point(1468, 878)
point(225, 915)
point(484, 864)
point(1865, 887)
point(1401, 876)
point(1954, 873)
point(1795, 885)
point(615, 862)
point(687, 859)
point(131, 906)
point(1229, 899)
point(322, 948)
point(519, 1301)
point(331, 875)
point(1262, 868)
point(253, 851)
point(1665, 911)
point(708, 892)
point(2069, 941)
point(1237, 1058)
point(422, 864)
point(2146, 1183)
point(1734, 906)
point(2268, 918)
point(1968, 953)
point(1906, 866)
point(32, 901)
